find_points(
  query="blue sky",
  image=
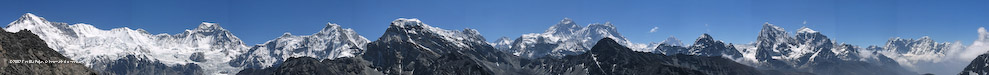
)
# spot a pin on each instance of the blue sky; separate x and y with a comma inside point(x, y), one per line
point(860, 22)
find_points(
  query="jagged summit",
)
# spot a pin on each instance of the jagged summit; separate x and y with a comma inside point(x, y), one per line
point(771, 27)
point(705, 45)
point(609, 42)
point(566, 26)
point(772, 33)
point(503, 39)
point(805, 30)
point(414, 30)
point(407, 22)
point(331, 42)
point(208, 25)
point(29, 18)
point(673, 41)
point(704, 36)
point(102, 49)
point(286, 34)
point(331, 28)
point(566, 21)
point(770, 37)
point(503, 43)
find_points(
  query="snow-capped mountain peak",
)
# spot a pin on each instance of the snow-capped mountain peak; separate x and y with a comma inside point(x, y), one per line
point(413, 30)
point(330, 28)
point(704, 36)
point(286, 34)
point(407, 22)
point(772, 33)
point(207, 25)
point(566, 26)
point(566, 38)
point(672, 41)
point(29, 18)
point(503, 40)
point(805, 30)
point(98, 48)
point(331, 42)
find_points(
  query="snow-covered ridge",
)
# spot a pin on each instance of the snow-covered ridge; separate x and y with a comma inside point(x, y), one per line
point(413, 26)
point(331, 42)
point(567, 38)
point(805, 30)
point(95, 47)
point(405, 29)
point(673, 41)
point(502, 43)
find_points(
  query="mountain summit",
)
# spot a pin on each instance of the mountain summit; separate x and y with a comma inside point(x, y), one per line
point(331, 42)
point(108, 50)
point(566, 38)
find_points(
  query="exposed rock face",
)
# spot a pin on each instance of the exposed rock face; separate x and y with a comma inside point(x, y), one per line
point(100, 49)
point(312, 66)
point(608, 57)
point(409, 46)
point(135, 65)
point(707, 46)
point(567, 38)
point(412, 47)
point(811, 51)
point(333, 41)
point(979, 66)
point(27, 47)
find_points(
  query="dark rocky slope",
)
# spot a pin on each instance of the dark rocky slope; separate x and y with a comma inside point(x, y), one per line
point(312, 66)
point(979, 66)
point(608, 57)
point(26, 46)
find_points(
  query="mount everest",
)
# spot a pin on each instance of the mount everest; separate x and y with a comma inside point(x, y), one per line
point(565, 38)
point(409, 46)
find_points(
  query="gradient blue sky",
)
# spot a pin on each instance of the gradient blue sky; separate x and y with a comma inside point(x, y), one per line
point(860, 22)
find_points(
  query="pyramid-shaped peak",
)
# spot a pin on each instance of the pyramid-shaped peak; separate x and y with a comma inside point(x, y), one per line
point(286, 34)
point(330, 27)
point(704, 38)
point(566, 21)
point(805, 30)
point(29, 18)
point(768, 25)
point(566, 26)
point(672, 41)
point(208, 25)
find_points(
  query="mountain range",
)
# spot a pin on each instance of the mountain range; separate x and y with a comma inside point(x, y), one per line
point(410, 46)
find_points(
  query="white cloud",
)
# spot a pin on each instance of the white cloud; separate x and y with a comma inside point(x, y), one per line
point(979, 46)
point(654, 29)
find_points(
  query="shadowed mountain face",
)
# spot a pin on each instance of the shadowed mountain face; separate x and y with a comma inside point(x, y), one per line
point(412, 47)
point(979, 66)
point(313, 66)
point(608, 57)
point(26, 46)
